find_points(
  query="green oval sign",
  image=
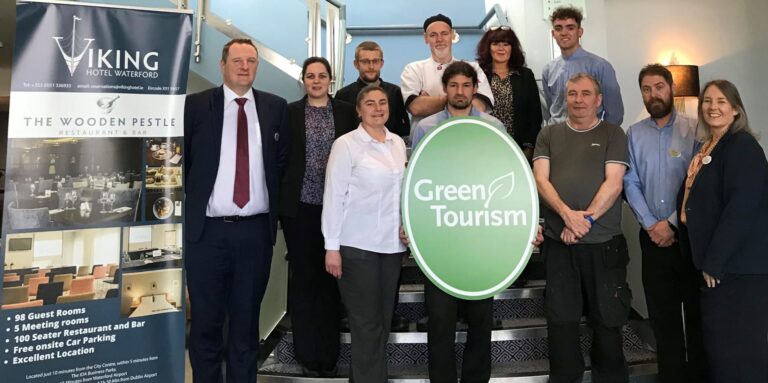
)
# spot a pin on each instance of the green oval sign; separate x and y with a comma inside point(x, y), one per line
point(470, 208)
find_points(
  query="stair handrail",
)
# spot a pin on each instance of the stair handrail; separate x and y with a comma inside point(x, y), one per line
point(409, 29)
point(205, 15)
point(336, 35)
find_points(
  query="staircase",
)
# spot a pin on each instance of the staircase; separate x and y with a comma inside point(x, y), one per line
point(519, 339)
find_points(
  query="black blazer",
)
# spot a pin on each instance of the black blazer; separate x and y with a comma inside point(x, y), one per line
point(203, 120)
point(344, 121)
point(527, 106)
point(398, 122)
point(727, 209)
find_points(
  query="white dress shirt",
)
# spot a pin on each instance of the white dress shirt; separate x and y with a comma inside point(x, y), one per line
point(221, 203)
point(427, 75)
point(363, 182)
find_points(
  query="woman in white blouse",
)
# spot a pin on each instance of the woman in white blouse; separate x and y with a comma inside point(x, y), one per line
point(361, 224)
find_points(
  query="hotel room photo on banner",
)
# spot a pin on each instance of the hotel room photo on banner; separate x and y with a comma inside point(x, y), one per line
point(57, 267)
point(151, 265)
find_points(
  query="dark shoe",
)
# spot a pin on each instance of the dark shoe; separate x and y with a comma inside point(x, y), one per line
point(399, 324)
point(422, 324)
point(344, 324)
point(309, 373)
point(329, 372)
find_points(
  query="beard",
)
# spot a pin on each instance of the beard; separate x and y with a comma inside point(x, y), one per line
point(369, 79)
point(460, 103)
point(659, 108)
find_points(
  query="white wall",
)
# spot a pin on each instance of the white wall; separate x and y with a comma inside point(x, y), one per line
point(159, 235)
point(726, 40)
point(533, 29)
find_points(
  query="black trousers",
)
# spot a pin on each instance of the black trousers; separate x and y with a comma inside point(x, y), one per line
point(227, 274)
point(594, 274)
point(313, 296)
point(669, 281)
point(442, 309)
point(735, 320)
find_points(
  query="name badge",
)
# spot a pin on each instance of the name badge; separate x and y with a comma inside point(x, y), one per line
point(674, 153)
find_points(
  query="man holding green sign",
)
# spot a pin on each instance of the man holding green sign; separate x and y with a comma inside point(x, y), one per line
point(471, 212)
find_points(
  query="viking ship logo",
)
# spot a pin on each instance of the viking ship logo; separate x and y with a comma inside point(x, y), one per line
point(72, 59)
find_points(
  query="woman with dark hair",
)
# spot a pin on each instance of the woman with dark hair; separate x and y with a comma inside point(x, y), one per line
point(361, 225)
point(516, 95)
point(723, 208)
point(315, 122)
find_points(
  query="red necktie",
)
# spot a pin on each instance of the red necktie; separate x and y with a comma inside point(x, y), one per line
point(242, 192)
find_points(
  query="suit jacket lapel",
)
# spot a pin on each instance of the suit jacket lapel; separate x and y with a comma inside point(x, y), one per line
point(217, 109)
point(338, 121)
point(266, 135)
point(300, 133)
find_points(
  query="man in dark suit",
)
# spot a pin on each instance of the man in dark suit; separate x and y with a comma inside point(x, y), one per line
point(236, 141)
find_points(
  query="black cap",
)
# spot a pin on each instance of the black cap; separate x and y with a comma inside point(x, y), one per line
point(437, 17)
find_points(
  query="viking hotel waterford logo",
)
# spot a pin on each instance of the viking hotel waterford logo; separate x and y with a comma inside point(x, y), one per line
point(105, 62)
point(71, 59)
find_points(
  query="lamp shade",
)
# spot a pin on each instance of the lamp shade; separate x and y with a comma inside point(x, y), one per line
point(685, 80)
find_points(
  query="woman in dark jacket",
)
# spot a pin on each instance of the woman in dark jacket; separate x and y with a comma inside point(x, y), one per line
point(517, 103)
point(315, 122)
point(723, 207)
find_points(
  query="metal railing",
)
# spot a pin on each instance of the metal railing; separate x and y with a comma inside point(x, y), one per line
point(411, 29)
point(335, 37)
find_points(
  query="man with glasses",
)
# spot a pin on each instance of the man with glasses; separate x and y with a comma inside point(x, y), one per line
point(566, 30)
point(421, 81)
point(369, 59)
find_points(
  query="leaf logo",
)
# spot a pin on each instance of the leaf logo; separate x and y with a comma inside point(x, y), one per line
point(506, 181)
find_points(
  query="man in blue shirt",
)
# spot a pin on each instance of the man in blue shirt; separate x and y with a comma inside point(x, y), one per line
point(460, 85)
point(566, 30)
point(660, 149)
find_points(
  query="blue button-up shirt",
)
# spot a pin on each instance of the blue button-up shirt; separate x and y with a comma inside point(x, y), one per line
point(557, 73)
point(658, 164)
point(425, 125)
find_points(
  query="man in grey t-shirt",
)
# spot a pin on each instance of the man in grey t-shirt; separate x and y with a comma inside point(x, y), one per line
point(579, 166)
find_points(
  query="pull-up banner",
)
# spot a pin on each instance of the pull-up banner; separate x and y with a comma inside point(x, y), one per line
point(93, 288)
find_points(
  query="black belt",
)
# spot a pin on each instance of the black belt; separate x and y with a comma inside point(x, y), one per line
point(238, 218)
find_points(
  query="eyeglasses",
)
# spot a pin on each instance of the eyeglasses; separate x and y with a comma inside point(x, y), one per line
point(369, 62)
point(502, 27)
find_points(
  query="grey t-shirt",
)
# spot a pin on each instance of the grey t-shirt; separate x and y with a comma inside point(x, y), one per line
point(577, 162)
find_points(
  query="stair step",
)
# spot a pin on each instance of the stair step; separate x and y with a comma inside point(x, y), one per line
point(508, 345)
point(411, 274)
point(411, 261)
point(414, 292)
point(535, 371)
point(513, 303)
